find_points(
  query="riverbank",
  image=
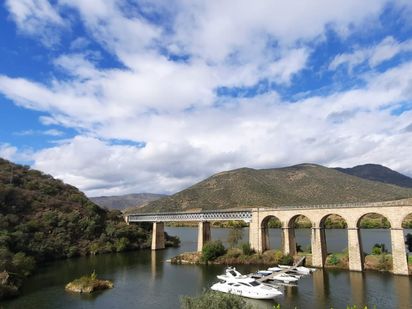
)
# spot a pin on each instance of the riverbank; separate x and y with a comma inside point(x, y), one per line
point(234, 256)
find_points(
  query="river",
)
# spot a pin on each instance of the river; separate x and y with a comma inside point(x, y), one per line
point(144, 280)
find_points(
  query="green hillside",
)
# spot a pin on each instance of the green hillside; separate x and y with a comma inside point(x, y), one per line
point(43, 219)
point(295, 185)
point(378, 172)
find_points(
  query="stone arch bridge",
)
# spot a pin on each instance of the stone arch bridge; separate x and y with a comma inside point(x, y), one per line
point(394, 211)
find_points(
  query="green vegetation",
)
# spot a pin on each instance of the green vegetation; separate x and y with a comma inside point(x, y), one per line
point(374, 221)
point(215, 300)
point(234, 236)
point(246, 249)
point(88, 284)
point(295, 185)
point(43, 219)
point(408, 241)
point(379, 249)
point(212, 250)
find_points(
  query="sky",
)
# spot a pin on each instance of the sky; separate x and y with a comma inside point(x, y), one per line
point(129, 96)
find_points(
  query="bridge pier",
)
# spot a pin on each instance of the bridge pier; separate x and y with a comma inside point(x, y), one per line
point(158, 236)
point(400, 263)
point(203, 234)
point(288, 241)
point(355, 249)
point(318, 242)
point(256, 232)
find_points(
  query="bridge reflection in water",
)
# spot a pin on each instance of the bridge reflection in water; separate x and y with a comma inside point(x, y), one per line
point(394, 211)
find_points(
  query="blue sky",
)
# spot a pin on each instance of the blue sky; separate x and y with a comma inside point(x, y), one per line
point(122, 96)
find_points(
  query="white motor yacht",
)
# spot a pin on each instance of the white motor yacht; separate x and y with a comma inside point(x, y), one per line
point(246, 287)
point(231, 273)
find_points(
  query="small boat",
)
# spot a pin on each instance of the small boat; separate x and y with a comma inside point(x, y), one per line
point(300, 269)
point(286, 278)
point(247, 287)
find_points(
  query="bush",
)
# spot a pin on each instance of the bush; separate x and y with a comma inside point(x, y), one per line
point(333, 260)
point(384, 262)
point(286, 260)
point(246, 249)
point(379, 249)
point(214, 300)
point(212, 249)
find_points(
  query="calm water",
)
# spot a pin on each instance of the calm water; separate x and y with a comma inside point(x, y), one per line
point(143, 279)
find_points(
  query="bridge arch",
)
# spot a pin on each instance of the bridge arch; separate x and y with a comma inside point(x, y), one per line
point(298, 240)
point(334, 225)
point(407, 233)
point(370, 220)
point(270, 221)
point(374, 228)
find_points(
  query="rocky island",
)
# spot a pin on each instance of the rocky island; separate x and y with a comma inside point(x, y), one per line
point(88, 284)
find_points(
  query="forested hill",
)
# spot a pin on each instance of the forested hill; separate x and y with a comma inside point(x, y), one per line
point(303, 184)
point(122, 202)
point(41, 219)
point(379, 173)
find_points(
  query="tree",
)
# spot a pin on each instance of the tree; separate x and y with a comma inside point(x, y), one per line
point(235, 235)
point(408, 241)
point(212, 249)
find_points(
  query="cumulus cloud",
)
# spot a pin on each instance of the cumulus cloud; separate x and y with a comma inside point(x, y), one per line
point(165, 97)
point(7, 151)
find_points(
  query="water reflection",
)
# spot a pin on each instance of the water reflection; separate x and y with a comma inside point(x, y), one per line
point(143, 280)
point(357, 284)
point(403, 290)
point(320, 281)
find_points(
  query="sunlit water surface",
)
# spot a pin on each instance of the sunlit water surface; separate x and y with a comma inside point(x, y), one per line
point(144, 280)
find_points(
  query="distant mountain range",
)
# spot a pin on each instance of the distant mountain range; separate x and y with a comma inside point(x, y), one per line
point(122, 202)
point(294, 185)
point(378, 172)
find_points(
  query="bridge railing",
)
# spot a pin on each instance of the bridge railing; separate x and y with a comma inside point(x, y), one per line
point(245, 215)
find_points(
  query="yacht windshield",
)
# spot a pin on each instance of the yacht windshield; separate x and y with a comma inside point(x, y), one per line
point(254, 283)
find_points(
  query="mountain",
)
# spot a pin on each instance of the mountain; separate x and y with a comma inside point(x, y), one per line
point(294, 185)
point(43, 219)
point(121, 202)
point(379, 173)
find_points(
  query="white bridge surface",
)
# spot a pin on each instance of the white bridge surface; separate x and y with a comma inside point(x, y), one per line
point(245, 215)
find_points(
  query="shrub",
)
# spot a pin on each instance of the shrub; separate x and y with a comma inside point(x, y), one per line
point(235, 235)
point(214, 300)
point(379, 249)
point(384, 262)
point(333, 260)
point(246, 249)
point(286, 260)
point(212, 249)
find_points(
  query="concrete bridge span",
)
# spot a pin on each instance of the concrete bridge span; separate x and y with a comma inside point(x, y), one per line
point(352, 213)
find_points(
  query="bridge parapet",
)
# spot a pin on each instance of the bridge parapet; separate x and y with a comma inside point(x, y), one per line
point(402, 202)
point(245, 215)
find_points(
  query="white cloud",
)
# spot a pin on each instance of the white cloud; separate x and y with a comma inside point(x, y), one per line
point(173, 107)
point(7, 151)
point(375, 55)
point(37, 18)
